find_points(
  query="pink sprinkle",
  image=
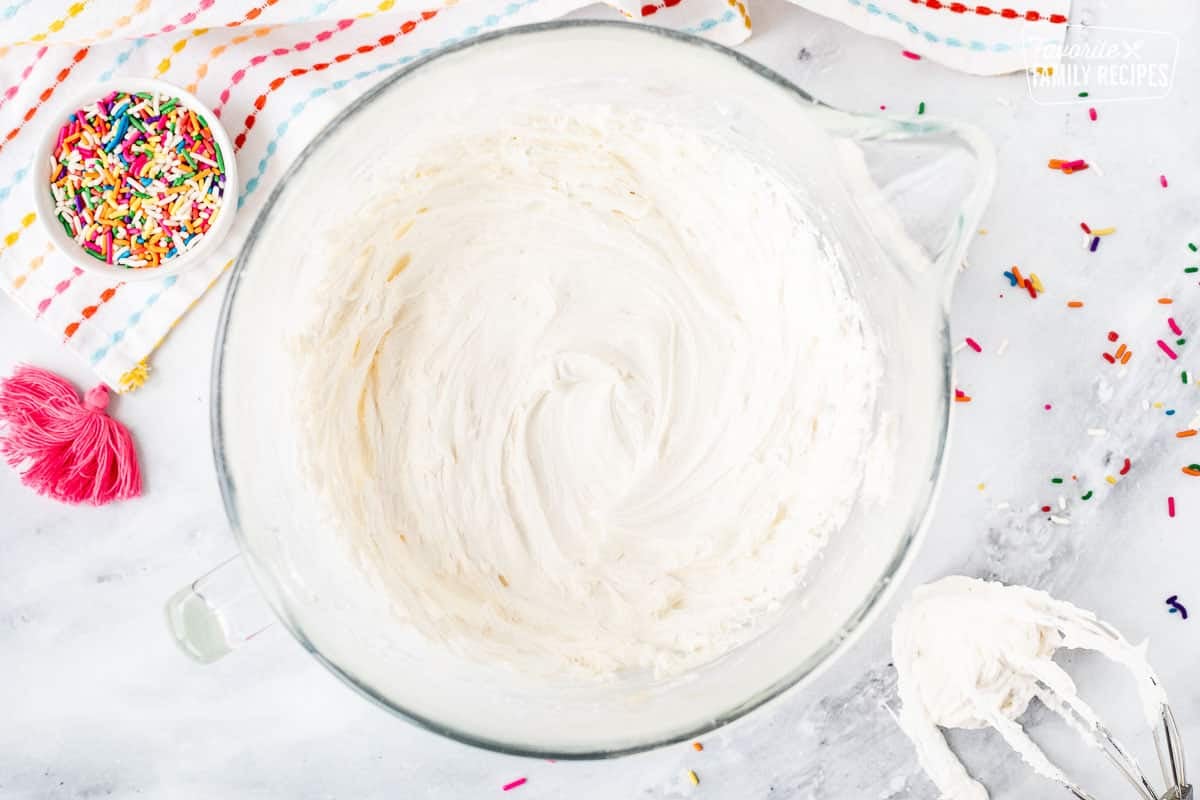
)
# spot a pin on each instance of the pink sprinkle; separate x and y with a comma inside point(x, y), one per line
point(1162, 179)
point(1047, 406)
point(1170, 353)
point(1078, 163)
point(1174, 326)
point(974, 345)
point(1171, 507)
point(910, 54)
point(510, 786)
point(1092, 114)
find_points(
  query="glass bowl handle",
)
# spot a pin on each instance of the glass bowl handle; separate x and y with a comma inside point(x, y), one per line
point(218, 612)
point(935, 178)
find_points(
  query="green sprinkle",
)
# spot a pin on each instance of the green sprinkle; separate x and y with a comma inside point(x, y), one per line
point(1192, 247)
point(93, 254)
point(137, 123)
point(1083, 94)
point(67, 227)
point(1195, 467)
point(1087, 496)
point(921, 108)
point(220, 158)
point(1190, 270)
point(1056, 480)
point(1183, 377)
point(188, 157)
point(1181, 341)
point(169, 105)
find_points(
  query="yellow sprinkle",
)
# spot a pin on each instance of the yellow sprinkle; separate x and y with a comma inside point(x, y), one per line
point(1037, 282)
point(693, 777)
point(980, 487)
point(1103, 231)
point(1158, 405)
point(1111, 479)
point(983, 231)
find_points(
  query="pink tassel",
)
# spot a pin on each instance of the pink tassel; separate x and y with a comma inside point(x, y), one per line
point(65, 449)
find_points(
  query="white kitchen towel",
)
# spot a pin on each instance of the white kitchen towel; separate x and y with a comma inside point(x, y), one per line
point(277, 71)
point(982, 38)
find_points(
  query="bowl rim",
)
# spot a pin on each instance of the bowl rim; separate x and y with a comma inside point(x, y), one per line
point(856, 624)
point(43, 202)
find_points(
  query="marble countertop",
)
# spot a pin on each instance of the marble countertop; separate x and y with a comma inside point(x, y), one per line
point(95, 701)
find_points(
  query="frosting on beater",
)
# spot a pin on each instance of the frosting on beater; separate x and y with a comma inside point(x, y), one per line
point(973, 654)
point(585, 393)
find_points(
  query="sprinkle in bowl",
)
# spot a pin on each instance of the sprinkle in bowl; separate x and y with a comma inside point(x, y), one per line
point(143, 186)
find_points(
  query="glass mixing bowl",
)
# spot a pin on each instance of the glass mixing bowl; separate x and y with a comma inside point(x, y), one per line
point(900, 243)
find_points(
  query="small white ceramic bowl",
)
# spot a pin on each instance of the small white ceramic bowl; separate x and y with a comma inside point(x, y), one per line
point(44, 201)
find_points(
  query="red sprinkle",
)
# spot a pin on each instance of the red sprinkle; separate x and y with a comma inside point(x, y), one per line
point(1175, 329)
point(1029, 286)
point(911, 55)
point(1113, 336)
point(510, 786)
point(1171, 507)
point(1085, 227)
point(1046, 509)
point(1162, 179)
point(974, 345)
point(1170, 353)
point(1125, 467)
point(1109, 358)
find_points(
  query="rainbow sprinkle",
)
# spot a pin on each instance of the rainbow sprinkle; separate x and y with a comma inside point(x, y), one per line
point(137, 179)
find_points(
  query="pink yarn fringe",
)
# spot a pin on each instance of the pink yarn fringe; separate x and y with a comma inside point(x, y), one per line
point(65, 449)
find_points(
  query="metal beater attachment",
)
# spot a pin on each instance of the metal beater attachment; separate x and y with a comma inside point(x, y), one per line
point(1170, 759)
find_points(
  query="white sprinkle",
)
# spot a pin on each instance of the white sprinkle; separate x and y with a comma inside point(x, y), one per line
point(1059, 520)
point(959, 347)
point(1096, 432)
point(1003, 346)
point(1001, 506)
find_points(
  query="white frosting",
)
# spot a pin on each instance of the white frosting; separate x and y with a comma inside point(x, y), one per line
point(973, 654)
point(585, 393)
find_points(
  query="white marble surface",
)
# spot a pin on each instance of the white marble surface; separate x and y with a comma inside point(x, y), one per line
point(96, 702)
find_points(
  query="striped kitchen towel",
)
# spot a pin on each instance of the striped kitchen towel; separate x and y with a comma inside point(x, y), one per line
point(275, 70)
point(983, 38)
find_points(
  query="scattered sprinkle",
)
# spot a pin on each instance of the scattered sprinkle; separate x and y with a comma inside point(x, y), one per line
point(961, 397)
point(910, 55)
point(1191, 469)
point(974, 345)
point(1166, 348)
point(1045, 509)
point(1002, 348)
point(1174, 326)
point(1095, 243)
point(1085, 227)
point(1111, 480)
point(1056, 480)
point(1083, 94)
point(1109, 358)
point(508, 787)
point(1113, 336)
point(1162, 181)
point(981, 486)
point(1183, 377)
point(1109, 231)
point(693, 777)
point(1165, 301)
point(1057, 520)
point(1171, 507)
point(1192, 246)
point(1047, 407)
point(1176, 606)
point(921, 107)
point(1087, 496)
point(1125, 467)
point(1170, 412)
point(697, 746)
point(1074, 304)
point(1128, 355)
point(1092, 114)
point(1190, 270)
